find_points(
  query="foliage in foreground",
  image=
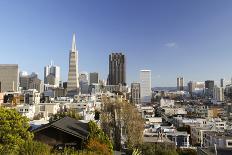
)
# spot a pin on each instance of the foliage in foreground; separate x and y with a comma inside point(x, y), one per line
point(158, 149)
point(34, 148)
point(13, 131)
point(120, 117)
point(98, 141)
point(15, 138)
point(187, 152)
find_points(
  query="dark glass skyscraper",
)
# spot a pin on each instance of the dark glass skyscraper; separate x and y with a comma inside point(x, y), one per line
point(117, 69)
point(209, 85)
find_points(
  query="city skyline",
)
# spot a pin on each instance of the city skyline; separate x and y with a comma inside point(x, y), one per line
point(150, 37)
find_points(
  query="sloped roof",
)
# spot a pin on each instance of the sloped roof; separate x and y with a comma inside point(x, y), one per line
point(68, 125)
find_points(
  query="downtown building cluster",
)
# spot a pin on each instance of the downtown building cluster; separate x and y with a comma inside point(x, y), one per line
point(196, 116)
point(41, 99)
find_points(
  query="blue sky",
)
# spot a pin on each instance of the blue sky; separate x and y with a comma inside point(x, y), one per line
point(173, 38)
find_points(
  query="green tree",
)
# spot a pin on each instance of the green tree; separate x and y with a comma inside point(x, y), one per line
point(98, 138)
point(13, 130)
point(34, 148)
point(70, 113)
point(186, 151)
point(158, 149)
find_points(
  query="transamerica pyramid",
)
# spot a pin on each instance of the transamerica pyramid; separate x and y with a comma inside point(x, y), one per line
point(73, 82)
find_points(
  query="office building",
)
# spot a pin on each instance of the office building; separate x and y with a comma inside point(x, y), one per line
point(135, 93)
point(24, 79)
point(31, 82)
point(218, 93)
point(180, 83)
point(93, 78)
point(84, 83)
point(117, 69)
point(52, 75)
point(196, 87)
point(222, 82)
point(9, 77)
point(31, 96)
point(73, 82)
point(145, 86)
point(95, 88)
point(209, 85)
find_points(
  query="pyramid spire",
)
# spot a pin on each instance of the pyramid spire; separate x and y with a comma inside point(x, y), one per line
point(74, 49)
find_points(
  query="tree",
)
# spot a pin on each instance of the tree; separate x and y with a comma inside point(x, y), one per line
point(70, 113)
point(97, 147)
point(13, 130)
point(186, 151)
point(118, 118)
point(98, 141)
point(34, 148)
point(158, 149)
point(133, 125)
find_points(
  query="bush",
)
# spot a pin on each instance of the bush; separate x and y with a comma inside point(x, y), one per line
point(34, 148)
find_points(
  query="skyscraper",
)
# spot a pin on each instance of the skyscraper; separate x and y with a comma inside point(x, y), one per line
point(84, 83)
point(222, 82)
point(180, 83)
point(93, 78)
point(145, 86)
point(209, 86)
point(31, 82)
point(52, 75)
point(218, 93)
point(9, 77)
point(73, 82)
point(117, 69)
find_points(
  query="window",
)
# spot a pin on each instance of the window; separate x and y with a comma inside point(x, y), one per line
point(229, 143)
point(42, 108)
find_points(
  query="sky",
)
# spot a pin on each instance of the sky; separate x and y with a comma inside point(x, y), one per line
point(189, 38)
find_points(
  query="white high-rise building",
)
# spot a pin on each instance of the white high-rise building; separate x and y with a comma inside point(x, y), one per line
point(52, 75)
point(145, 86)
point(218, 93)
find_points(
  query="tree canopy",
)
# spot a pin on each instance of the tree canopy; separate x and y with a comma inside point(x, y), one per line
point(98, 141)
point(121, 121)
point(70, 113)
point(13, 130)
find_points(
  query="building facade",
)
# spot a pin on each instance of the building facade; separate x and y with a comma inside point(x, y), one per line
point(31, 82)
point(93, 78)
point(9, 77)
point(135, 93)
point(73, 82)
point(180, 83)
point(84, 83)
point(117, 69)
point(218, 93)
point(52, 75)
point(145, 86)
point(209, 86)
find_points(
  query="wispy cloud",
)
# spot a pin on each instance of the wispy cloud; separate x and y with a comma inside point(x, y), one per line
point(171, 44)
